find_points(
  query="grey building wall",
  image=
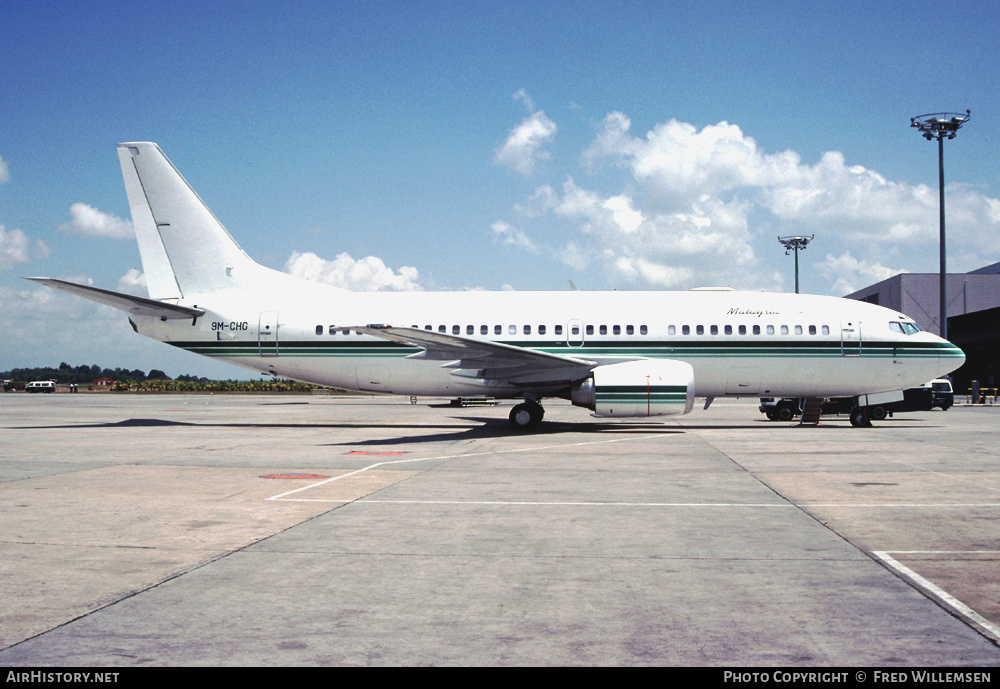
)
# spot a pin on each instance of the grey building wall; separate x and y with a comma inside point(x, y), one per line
point(918, 294)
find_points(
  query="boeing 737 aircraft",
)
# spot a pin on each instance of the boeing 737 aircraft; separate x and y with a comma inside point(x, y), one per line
point(619, 354)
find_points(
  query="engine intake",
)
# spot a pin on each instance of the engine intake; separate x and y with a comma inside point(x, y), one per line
point(650, 387)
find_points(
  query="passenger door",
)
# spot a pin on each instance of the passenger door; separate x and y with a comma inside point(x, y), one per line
point(850, 338)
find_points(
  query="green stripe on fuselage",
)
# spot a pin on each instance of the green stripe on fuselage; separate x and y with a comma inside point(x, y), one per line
point(670, 349)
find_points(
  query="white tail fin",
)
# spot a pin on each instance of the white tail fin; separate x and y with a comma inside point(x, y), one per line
point(185, 250)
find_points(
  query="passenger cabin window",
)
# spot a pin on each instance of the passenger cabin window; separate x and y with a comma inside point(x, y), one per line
point(319, 329)
point(541, 330)
point(642, 330)
point(558, 330)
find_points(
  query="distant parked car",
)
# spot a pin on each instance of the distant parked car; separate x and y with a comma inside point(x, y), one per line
point(944, 394)
point(40, 386)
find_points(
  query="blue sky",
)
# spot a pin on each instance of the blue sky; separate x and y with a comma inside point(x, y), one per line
point(483, 145)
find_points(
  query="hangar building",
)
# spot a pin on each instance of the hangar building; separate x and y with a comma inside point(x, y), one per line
point(973, 315)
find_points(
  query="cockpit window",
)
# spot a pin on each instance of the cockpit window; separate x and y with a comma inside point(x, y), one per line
point(904, 328)
point(896, 327)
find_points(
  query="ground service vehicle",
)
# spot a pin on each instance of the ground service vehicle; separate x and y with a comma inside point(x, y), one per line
point(936, 393)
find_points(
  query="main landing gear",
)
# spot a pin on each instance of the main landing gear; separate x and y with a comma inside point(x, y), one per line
point(525, 416)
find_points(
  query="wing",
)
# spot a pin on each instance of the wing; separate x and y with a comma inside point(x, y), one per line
point(485, 360)
point(125, 302)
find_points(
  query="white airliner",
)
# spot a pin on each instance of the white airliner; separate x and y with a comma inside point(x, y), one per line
point(619, 354)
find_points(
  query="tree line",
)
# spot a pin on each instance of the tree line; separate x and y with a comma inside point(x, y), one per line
point(85, 375)
point(155, 381)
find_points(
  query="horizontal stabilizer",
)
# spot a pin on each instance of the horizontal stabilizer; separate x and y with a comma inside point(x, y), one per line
point(139, 306)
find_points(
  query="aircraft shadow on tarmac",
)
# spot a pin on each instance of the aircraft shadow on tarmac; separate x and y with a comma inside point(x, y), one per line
point(483, 428)
point(488, 428)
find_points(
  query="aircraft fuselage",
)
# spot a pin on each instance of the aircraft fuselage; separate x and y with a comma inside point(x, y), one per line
point(739, 343)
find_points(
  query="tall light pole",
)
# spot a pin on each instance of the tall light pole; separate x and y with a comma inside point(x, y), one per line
point(794, 244)
point(941, 126)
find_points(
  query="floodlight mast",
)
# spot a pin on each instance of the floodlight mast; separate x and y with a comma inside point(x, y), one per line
point(794, 244)
point(941, 126)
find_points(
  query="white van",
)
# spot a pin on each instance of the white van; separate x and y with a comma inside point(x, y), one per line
point(40, 386)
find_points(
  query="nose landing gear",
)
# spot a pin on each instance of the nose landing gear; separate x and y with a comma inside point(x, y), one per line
point(859, 417)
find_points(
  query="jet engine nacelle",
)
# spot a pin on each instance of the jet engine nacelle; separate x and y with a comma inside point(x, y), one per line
point(650, 387)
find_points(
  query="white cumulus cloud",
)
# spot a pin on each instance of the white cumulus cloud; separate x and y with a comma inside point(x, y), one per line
point(703, 205)
point(368, 274)
point(850, 274)
point(17, 247)
point(506, 234)
point(88, 221)
point(523, 148)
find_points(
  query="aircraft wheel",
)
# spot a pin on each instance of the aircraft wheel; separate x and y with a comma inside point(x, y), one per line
point(526, 416)
point(859, 417)
point(877, 413)
point(786, 412)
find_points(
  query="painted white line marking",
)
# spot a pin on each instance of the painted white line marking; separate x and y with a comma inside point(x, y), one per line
point(522, 503)
point(866, 505)
point(462, 456)
point(971, 616)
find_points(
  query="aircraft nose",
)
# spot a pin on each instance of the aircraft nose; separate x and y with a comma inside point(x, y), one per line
point(950, 356)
